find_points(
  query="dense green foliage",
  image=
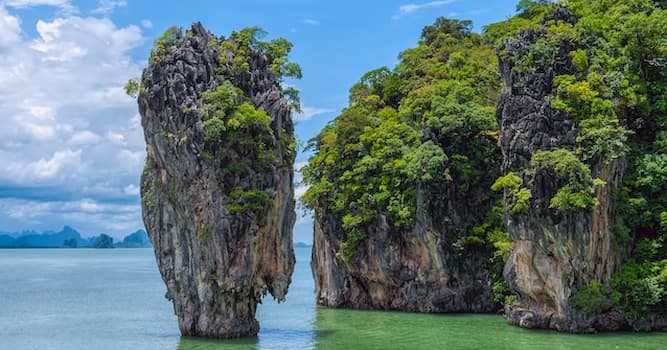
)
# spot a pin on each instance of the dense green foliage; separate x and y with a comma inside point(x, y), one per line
point(243, 44)
point(577, 192)
point(238, 51)
point(519, 197)
point(617, 94)
point(242, 201)
point(170, 38)
point(429, 122)
point(424, 126)
point(238, 135)
point(529, 16)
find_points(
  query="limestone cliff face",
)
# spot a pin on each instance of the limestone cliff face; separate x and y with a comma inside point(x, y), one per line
point(217, 263)
point(418, 270)
point(553, 254)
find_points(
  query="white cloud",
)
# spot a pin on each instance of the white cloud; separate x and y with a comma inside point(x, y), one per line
point(311, 21)
point(308, 113)
point(42, 112)
point(299, 191)
point(130, 160)
point(116, 137)
point(65, 5)
point(298, 176)
point(410, 8)
point(84, 137)
point(304, 217)
point(32, 3)
point(26, 211)
point(40, 132)
point(107, 6)
point(299, 165)
point(69, 132)
point(131, 190)
point(74, 38)
point(146, 23)
point(10, 28)
point(90, 216)
point(46, 169)
point(89, 206)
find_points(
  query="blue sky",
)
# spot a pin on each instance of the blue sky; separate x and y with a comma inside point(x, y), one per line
point(71, 145)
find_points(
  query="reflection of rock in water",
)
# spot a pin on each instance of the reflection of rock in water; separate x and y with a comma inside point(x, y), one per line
point(208, 344)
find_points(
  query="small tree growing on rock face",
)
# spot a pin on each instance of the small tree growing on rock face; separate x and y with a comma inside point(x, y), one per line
point(132, 88)
point(577, 192)
point(170, 38)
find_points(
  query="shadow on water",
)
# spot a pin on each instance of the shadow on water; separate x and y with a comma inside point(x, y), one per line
point(269, 339)
point(187, 343)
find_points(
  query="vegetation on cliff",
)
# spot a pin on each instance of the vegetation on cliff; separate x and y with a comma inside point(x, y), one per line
point(217, 188)
point(421, 129)
point(616, 93)
point(430, 121)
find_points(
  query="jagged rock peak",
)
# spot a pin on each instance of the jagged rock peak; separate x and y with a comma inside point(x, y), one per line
point(217, 192)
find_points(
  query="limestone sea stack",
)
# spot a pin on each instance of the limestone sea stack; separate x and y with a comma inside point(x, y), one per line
point(556, 249)
point(217, 188)
point(401, 183)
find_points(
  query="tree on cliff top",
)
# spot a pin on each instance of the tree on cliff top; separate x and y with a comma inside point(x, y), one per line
point(428, 122)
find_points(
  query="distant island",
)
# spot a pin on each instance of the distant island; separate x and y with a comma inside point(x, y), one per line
point(68, 237)
point(71, 238)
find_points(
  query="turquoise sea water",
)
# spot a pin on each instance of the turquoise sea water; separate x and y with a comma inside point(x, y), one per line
point(114, 299)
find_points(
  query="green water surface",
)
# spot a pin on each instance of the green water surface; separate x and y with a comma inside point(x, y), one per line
point(351, 329)
point(114, 299)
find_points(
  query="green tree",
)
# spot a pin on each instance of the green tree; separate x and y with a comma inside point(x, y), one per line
point(371, 160)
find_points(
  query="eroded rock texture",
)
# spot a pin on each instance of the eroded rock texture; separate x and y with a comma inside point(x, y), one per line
point(553, 254)
point(217, 263)
point(417, 270)
point(393, 229)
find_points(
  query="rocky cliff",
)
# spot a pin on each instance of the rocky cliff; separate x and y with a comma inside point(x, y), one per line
point(416, 270)
point(217, 192)
point(400, 183)
point(554, 252)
